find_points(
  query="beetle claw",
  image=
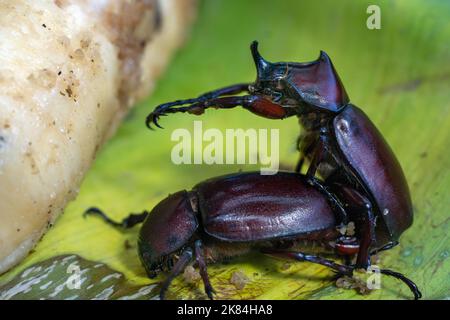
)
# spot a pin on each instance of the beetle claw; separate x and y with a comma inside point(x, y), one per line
point(153, 118)
point(149, 120)
point(155, 121)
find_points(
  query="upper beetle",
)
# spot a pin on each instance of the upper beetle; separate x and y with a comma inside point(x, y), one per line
point(340, 142)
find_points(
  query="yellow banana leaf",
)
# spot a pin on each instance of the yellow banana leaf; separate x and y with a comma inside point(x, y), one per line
point(398, 74)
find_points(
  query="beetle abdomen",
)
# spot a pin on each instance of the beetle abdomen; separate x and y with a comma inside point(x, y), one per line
point(376, 166)
point(253, 207)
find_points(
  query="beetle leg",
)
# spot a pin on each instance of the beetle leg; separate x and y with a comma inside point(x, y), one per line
point(200, 258)
point(127, 223)
point(256, 104)
point(388, 246)
point(301, 161)
point(340, 269)
point(367, 237)
point(230, 90)
point(412, 286)
point(299, 165)
point(359, 208)
point(185, 258)
point(317, 157)
point(305, 144)
point(300, 256)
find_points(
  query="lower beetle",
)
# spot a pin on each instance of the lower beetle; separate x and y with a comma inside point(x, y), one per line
point(225, 216)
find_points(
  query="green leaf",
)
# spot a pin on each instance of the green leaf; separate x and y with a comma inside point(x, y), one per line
point(399, 75)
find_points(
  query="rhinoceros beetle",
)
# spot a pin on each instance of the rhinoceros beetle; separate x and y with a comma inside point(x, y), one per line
point(280, 215)
point(340, 142)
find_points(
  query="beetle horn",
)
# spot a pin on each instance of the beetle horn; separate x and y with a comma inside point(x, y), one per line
point(260, 62)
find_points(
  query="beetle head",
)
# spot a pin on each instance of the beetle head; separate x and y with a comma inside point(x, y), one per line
point(166, 232)
point(311, 86)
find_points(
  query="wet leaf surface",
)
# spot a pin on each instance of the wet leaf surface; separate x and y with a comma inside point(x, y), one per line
point(70, 277)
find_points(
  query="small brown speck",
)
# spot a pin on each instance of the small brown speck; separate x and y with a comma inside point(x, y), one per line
point(69, 91)
point(98, 105)
point(84, 43)
point(59, 73)
point(18, 229)
point(44, 25)
point(127, 245)
point(62, 93)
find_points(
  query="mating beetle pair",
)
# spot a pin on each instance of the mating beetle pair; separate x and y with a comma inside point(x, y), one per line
point(361, 182)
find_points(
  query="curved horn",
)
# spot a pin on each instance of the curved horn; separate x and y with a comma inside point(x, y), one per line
point(260, 62)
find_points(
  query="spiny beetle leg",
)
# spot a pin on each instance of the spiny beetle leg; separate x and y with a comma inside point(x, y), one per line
point(200, 258)
point(163, 109)
point(185, 258)
point(340, 269)
point(254, 103)
point(196, 106)
point(127, 223)
point(300, 256)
